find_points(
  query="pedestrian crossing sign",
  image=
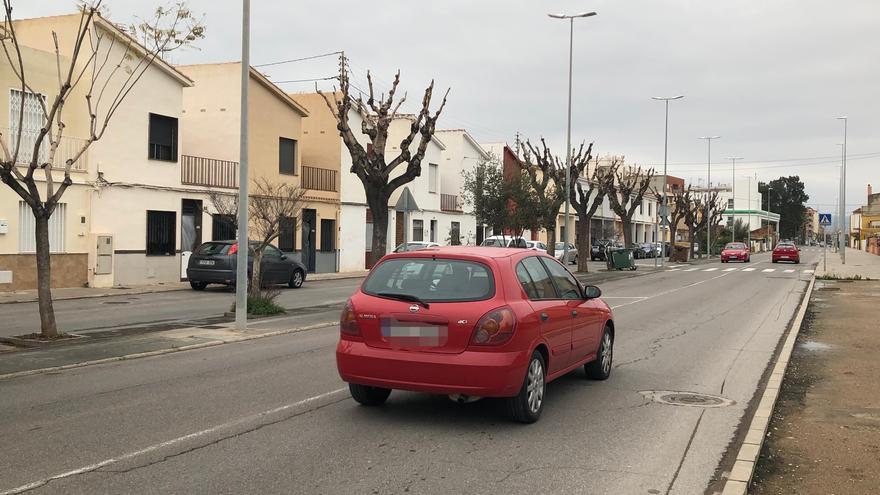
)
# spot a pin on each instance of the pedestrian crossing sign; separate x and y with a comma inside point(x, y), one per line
point(824, 218)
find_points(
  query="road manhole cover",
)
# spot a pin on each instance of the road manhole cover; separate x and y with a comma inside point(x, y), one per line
point(830, 288)
point(688, 399)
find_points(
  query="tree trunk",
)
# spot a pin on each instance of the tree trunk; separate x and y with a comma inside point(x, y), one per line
point(256, 284)
point(627, 232)
point(48, 327)
point(691, 237)
point(583, 247)
point(380, 229)
point(551, 239)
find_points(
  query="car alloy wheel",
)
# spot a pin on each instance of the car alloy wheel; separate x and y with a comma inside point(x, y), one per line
point(535, 386)
point(296, 280)
point(527, 405)
point(600, 369)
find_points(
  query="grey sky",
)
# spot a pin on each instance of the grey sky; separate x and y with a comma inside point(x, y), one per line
point(769, 76)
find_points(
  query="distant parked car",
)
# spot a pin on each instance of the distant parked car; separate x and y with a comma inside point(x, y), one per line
point(505, 241)
point(649, 250)
point(572, 253)
point(414, 245)
point(786, 251)
point(536, 246)
point(215, 263)
point(598, 247)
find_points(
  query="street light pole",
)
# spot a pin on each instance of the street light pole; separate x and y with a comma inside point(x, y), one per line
point(571, 19)
point(733, 160)
point(708, 194)
point(241, 277)
point(843, 194)
point(663, 203)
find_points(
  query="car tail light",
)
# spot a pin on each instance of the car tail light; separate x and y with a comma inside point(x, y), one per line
point(233, 249)
point(495, 327)
point(348, 324)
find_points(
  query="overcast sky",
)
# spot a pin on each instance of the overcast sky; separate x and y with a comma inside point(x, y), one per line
point(768, 76)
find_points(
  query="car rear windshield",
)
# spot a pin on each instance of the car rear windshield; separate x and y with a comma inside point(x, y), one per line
point(735, 245)
point(431, 280)
point(210, 248)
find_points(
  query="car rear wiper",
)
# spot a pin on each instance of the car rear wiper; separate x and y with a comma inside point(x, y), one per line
point(404, 297)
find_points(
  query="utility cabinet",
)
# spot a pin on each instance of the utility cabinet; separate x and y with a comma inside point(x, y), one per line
point(104, 255)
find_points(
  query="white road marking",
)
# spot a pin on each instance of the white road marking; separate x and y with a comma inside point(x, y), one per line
point(748, 269)
point(768, 270)
point(692, 269)
point(808, 271)
point(710, 269)
point(789, 271)
point(670, 291)
point(729, 269)
point(168, 443)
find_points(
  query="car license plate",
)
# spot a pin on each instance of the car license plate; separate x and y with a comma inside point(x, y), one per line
point(406, 334)
point(206, 262)
point(783, 257)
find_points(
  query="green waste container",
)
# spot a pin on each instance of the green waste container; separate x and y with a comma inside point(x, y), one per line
point(620, 259)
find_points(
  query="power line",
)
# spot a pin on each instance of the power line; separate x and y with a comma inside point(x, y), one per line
point(307, 80)
point(298, 59)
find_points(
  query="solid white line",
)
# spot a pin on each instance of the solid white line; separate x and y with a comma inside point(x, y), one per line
point(710, 269)
point(748, 269)
point(768, 270)
point(168, 443)
point(729, 269)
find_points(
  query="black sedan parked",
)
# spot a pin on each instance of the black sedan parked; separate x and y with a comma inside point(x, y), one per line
point(214, 263)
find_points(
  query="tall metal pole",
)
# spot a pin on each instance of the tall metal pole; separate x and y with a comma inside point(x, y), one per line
point(708, 194)
point(241, 271)
point(749, 228)
point(733, 160)
point(664, 203)
point(843, 195)
point(568, 145)
point(571, 19)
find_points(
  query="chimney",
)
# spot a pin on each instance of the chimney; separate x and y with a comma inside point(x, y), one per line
point(870, 190)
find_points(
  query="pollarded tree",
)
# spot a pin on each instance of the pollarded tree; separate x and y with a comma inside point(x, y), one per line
point(370, 165)
point(107, 62)
point(546, 173)
point(626, 189)
point(483, 192)
point(586, 197)
point(680, 202)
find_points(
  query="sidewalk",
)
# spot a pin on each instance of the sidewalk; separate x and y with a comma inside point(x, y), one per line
point(824, 434)
point(857, 263)
point(25, 296)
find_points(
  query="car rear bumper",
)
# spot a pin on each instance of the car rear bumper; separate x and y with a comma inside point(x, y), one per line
point(483, 374)
point(734, 257)
point(782, 257)
point(211, 276)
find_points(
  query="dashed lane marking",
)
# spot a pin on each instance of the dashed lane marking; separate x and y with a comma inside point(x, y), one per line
point(710, 269)
point(692, 269)
point(768, 270)
point(729, 269)
point(748, 269)
point(789, 271)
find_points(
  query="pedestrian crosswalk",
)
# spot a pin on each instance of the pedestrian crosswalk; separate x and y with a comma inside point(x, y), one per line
point(681, 268)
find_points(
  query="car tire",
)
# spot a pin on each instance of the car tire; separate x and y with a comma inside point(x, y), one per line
point(369, 396)
point(296, 279)
point(600, 368)
point(527, 405)
point(198, 285)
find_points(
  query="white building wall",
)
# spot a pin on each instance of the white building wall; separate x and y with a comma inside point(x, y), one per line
point(352, 241)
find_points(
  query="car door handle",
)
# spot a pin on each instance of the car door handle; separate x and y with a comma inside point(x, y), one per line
point(574, 313)
point(544, 317)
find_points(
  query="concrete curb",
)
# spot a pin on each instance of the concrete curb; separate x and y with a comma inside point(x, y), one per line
point(169, 350)
point(744, 468)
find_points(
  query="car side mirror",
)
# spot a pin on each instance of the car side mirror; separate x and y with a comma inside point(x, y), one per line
point(592, 292)
point(284, 256)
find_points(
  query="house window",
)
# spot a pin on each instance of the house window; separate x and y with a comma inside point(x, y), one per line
point(27, 226)
point(455, 234)
point(161, 233)
point(730, 204)
point(163, 138)
point(418, 230)
point(287, 156)
point(432, 177)
point(287, 234)
point(31, 121)
point(223, 227)
point(328, 235)
point(642, 207)
point(650, 208)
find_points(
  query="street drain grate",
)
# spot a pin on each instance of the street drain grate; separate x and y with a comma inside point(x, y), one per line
point(830, 288)
point(212, 327)
point(688, 399)
point(116, 302)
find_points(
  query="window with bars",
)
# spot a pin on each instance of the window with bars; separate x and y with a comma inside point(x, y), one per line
point(163, 138)
point(287, 234)
point(455, 234)
point(418, 230)
point(328, 235)
point(161, 233)
point(26, 114)
point(223, 227)
point(27, 227)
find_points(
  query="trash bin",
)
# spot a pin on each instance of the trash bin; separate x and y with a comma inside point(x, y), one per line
point(620, 259)
point(679, 254)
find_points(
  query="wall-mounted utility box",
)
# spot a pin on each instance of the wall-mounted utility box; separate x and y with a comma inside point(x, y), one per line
point(4, 226)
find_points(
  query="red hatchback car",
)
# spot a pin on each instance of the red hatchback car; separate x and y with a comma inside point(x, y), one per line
point(735, 251)
point(786, 251)
point(472, 322)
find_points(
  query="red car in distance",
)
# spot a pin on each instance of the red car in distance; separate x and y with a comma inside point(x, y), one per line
point(735, 251)
point(786, 251)
point(472, 322)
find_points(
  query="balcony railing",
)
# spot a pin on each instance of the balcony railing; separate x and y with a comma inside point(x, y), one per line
point(449, 202)
point(68, 147)
point(319, 179)
point(208, 172)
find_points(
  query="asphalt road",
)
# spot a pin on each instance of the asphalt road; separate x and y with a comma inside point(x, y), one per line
point(272, 416)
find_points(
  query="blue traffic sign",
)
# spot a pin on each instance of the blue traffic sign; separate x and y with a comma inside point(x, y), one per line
point(824, 218)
